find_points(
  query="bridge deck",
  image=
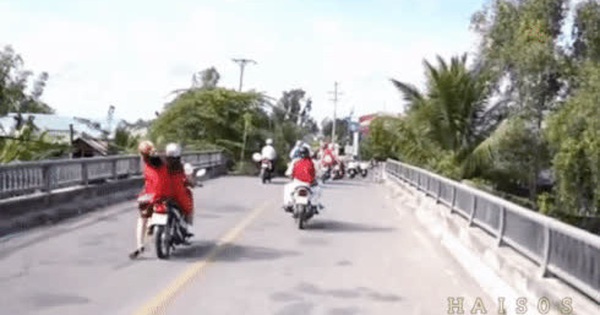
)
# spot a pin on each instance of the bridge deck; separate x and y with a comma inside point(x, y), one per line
point(360, 256)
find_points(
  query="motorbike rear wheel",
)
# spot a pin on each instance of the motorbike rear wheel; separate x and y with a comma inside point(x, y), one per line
point(163, 241)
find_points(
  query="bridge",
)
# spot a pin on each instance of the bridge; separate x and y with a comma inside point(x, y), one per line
point(402, 241)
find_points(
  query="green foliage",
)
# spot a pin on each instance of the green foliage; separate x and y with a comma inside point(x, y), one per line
point(26, 145)
point(547, 115)
point(206, 116)
point(14, 82)
point(215, 116)
point(574, 137)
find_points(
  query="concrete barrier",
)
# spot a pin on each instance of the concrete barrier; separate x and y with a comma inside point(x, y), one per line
point(501, 271)
point(22, 213)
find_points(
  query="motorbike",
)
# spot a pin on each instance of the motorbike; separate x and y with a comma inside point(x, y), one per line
point(338, 171)
point(167, 222)
point(265, 170)
point(325, 173)
point(304, 210)
point(353, 169)
point(363, 168)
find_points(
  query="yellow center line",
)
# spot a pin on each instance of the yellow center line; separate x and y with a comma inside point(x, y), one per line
point(159, 304)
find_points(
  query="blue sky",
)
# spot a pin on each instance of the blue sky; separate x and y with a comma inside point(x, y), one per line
point(133, 53)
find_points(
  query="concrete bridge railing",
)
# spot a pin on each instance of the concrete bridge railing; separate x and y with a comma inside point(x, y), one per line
point(569, 253)
point(28, 178)
point(42, 192)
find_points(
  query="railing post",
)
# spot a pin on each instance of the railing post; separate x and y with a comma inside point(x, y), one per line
point(418, 185)
point(453, 204)
point(84, 173)
point(46, 174)
point(428, 189)
point(439, 192)
point(46, 178)
point(114, 169)
point(546, 258)
point(501, 225)
point(473, 209)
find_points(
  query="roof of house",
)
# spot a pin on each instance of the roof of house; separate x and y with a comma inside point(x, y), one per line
point(99, 146)
point(50, 122)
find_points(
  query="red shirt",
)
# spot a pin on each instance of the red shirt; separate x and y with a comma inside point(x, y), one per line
point(304, 170)
point(157, 182)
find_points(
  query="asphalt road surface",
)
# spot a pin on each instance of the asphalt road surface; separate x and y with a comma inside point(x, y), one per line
point(359, 256)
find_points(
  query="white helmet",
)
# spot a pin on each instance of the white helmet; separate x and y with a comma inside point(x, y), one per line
point(269, 141)
point(173, 150)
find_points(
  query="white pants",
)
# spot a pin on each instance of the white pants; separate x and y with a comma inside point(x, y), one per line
point(289, 188)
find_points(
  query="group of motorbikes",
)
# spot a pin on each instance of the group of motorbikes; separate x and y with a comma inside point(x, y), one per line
point(167, 226)
point(339, 170)
point(304, 210)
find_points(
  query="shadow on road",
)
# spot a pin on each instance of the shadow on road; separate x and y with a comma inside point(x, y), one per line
point(329, 226)
point(278, 182)
point(229, 253)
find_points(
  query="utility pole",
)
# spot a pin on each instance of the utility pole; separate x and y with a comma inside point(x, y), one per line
point(335, 100)
point(242, 62)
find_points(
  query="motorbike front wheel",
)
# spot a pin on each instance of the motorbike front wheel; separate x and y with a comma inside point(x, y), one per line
point(163, 241)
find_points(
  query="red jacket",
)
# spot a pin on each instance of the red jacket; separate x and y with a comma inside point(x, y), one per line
point(304, 170)
point(156, 182)
point(328, 152)
point(180, 192)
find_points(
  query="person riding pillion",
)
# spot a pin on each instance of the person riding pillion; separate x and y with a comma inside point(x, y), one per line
point(156, 187)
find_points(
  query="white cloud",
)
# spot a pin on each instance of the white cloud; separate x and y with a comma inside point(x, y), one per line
point(135, 64)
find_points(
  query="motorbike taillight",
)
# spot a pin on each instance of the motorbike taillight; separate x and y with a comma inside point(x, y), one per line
point(303, 192)
point(160, 207)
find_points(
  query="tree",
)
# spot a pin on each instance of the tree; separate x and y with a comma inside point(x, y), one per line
point(203, 118)
point(206, 79)
point(519, 43)
point(574, 136)
point(14, 83)
point(446, 124)
point(342, 129)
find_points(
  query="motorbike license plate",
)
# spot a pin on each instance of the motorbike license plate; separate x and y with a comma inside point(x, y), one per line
point(159, 219)
point(301, 200)
point(265, 165)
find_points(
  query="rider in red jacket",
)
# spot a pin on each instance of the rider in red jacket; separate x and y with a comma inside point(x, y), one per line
point(303, 174)
point(179, 183)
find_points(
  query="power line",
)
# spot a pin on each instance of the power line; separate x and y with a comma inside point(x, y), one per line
point(335, 93)
point(242, 62)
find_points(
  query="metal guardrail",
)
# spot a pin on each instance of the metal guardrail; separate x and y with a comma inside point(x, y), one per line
point(569, 253)
point(44, 176)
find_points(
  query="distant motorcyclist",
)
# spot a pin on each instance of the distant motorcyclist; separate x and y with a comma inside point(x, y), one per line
point(268, 152)
point(156, 187)
point(329, 157)
point(303, 174)
point(179, 184)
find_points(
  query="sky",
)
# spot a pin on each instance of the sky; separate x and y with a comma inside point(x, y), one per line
point(132, 54)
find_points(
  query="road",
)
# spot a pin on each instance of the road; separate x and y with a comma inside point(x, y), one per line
point(360, 256)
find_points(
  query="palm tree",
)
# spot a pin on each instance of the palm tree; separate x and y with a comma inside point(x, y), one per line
point(452, 114)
